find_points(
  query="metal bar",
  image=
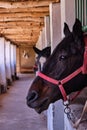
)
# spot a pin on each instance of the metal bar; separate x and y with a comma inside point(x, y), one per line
point(82, 3)
point(81, 11)
point(76, 11)
point(77, 8)
point(86, 12)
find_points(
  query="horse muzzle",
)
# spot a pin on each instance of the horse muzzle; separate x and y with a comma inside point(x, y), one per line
point(33, 101)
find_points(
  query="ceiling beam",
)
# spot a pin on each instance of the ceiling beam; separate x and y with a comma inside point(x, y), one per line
point(25, 10)
point(23, 15)
point(20, 23)
point(23, 41)
point(17, 28)
point(22, 36)
point(25, 44)
point(20, 30)
point(6, 19)
point(22, 20)
point(26, 4)
point(21, 33)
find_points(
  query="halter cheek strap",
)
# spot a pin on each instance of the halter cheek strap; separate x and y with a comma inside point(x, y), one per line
point(51, 80)
point(60, 82)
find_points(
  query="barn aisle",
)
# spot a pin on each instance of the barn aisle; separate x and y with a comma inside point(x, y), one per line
point(14, 113)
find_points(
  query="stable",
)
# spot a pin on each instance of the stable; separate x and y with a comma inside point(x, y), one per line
point(26, 28)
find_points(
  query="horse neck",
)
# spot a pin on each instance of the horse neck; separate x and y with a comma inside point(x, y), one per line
point(76, 84)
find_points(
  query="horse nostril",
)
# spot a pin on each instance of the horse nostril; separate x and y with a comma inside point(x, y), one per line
point(32, 96)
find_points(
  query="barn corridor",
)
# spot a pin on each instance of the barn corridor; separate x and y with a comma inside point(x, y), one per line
point(14, 113)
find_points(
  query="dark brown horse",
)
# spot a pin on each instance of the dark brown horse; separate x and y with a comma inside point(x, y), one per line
point(66, 58)
point(44, 53)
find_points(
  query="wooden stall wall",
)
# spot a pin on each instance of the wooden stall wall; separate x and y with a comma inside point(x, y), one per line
point(17, 60)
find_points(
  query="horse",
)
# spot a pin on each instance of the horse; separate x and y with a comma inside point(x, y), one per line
point(62, 73)
point(42, 55)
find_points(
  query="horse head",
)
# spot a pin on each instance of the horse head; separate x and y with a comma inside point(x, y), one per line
point(42, 56)
point(66, 58)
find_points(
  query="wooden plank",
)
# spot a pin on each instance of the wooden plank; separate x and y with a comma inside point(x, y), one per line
point(21, 28)
point(25, 45)
point(21, 33)
point(23, 15)
point(24, 31)
point(22, 36)
point(25, 10)
point(23, 39)
point(26, 4)
point(20, 23)
point(22, 19)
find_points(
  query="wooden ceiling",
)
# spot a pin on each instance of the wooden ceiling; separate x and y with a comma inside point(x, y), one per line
point(22, 20)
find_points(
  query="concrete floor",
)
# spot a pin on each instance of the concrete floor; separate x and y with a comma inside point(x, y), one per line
point(14, 113)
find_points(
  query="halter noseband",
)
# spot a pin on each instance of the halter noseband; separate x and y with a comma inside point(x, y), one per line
point(60, 83)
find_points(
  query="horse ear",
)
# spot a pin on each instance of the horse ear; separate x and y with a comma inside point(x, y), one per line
point(66, 30)
point(77, 29)
point(36, 50)
point(46, 52)
point(78, 35)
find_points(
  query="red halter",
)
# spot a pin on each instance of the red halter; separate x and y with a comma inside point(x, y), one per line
point(60, 83)
point(84, 68)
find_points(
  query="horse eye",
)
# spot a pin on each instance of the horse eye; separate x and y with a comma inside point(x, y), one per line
point(62, 57)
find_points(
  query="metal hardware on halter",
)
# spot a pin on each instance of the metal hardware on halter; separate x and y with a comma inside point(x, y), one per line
point(56, 82)
point(67, 111)
point(63, 81)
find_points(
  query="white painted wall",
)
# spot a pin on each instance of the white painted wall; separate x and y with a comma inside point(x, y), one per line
point(67, 124)
point(2, 63)
point(43, 38)
point(39, 42)
point(14, 51)
point(50, 117)
point(8, 60)
point(55, 24)
point(56, 118)
point(58, 15)
point(68, 16)
point(47, 30)
point(67, 13)
point(12, 60)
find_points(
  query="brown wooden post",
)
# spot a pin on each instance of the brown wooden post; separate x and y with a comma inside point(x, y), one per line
point(47, 31)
